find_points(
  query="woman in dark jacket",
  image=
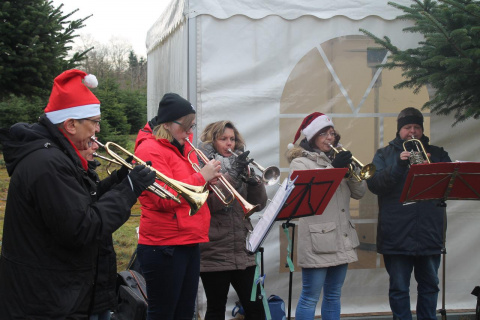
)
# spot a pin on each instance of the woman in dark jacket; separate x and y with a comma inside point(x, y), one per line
point(225, 259)
point(410, 237)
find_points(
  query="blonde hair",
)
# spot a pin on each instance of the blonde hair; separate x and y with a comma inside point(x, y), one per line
point(160, 132)
point(216, 129)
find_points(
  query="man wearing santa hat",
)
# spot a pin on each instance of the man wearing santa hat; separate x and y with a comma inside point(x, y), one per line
point(53, 219)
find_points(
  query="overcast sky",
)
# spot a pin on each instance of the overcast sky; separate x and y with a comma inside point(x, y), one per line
point(126, 19)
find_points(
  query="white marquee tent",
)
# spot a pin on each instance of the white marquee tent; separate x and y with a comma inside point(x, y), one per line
point(265, 65)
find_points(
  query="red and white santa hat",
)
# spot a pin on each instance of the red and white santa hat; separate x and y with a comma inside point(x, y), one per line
point(312, 124)
point(70, 97)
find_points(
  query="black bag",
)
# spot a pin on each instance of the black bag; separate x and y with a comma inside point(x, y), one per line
point(132, 296)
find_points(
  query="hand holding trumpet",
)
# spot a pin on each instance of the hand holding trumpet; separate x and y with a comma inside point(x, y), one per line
point(211, 171)
point(405, 158)
point(140, 177)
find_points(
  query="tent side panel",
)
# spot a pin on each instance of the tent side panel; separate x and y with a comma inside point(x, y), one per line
point(167, 69)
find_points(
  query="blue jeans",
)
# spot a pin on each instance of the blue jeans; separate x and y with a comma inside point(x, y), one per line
point(425, 268)
point(171, 275)
point(314, 279)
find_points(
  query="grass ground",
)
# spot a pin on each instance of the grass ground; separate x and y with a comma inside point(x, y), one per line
point(124, 239)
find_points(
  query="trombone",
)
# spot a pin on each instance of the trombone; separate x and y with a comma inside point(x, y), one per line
point(366, 171)
point(248, 208)
point(419, 155)
point(270, 175)
point(194, 195)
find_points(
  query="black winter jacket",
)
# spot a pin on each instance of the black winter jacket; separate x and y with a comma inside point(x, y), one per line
point(412, 229)
point(52, 225)
point(105, 297)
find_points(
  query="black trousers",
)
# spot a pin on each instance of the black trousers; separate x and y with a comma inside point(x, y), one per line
point(216, 286)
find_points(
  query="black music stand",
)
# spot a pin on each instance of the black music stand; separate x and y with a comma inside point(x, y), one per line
point(313, 190)
point(442, 181)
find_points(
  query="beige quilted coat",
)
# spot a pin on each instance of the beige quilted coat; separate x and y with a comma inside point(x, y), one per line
point(328, 239)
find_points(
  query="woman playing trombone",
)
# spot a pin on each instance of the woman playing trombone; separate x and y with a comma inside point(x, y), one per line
point(225, 260)
point(326, 242)
point(169, 237)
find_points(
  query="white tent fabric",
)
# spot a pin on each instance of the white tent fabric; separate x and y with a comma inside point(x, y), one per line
point(267, 64)
point(179, 10)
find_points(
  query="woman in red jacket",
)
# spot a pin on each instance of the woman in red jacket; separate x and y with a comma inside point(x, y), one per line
point(168, 246)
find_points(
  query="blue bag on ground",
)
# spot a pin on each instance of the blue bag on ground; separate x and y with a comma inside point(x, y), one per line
point(277, 307)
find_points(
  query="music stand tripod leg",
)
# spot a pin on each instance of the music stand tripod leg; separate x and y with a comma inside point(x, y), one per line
point(443, 311)
point(290, 280)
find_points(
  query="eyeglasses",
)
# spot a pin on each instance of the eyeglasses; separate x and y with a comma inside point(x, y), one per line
point(193, 126)
point(95, 122)
point(326, 134)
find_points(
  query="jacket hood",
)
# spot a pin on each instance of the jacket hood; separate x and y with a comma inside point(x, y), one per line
point(23, 138)
point(144, 133)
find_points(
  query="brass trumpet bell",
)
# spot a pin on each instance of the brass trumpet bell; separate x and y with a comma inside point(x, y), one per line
point(270, 175)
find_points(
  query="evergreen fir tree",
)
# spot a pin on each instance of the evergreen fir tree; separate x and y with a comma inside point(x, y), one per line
point(448, 59)
point(35, 38)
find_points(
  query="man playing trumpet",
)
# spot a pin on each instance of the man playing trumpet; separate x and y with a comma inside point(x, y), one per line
point(53, 219)
point(410, 237)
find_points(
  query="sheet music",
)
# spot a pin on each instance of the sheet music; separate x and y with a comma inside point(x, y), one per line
point(263, 226)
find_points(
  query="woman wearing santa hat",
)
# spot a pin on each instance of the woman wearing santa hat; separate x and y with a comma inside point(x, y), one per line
point(326, 242)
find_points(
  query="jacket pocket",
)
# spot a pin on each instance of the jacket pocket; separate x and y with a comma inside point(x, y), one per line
point(352, 235)
point(324, 237)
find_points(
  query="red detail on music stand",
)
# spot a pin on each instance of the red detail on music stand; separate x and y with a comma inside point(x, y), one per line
point(313, 190)
point(442, 181)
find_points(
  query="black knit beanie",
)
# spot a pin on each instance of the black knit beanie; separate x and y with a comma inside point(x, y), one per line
point(409, 116)
point(173, 107)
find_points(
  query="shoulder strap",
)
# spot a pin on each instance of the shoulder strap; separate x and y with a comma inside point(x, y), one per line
point(141, 283)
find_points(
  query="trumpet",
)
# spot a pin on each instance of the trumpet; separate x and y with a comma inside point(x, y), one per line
point(270, 175)
point(366, 171)
point(248, 208)
point(194, 195)
point(154, 188)
point(419, 155)
point(110, 161)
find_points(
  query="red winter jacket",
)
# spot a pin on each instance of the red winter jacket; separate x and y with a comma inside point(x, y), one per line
point(165, 222)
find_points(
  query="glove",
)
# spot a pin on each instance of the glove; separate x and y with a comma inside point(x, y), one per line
point(123, 171)
point(251, 179)
point(140, 178)
point(241, 162)
point(342, 159)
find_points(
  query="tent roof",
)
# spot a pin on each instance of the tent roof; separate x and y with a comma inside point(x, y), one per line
point(180, 10)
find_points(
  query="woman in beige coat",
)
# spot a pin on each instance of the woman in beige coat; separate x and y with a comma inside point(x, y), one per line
point(326, 242)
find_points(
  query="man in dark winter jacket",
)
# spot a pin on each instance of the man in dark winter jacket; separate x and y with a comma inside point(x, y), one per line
point(53, 221)
point(410, 237)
